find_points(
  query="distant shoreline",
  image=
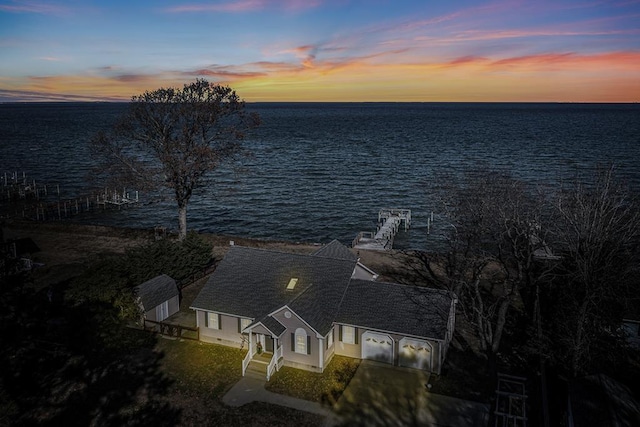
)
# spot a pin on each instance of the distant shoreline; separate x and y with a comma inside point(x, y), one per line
point(309, 103)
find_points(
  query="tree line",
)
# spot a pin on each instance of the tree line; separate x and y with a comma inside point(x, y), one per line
point(555, 267)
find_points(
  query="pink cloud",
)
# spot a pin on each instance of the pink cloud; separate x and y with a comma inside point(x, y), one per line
point(231, 6)
point(20, 6)
point(245, 6)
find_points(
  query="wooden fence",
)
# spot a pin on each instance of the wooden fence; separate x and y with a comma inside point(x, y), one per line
point(197, 275)
point(172, 330)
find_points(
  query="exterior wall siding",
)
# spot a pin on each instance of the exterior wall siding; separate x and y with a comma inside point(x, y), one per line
point(355, 350)
point(330, 351)
point(361, 273)
point(227, 334)
point(174, 305)
point(310, 361)
point(151, 315)
point(346, 349)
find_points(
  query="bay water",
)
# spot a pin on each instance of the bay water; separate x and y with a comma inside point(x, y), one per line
point(321, 171)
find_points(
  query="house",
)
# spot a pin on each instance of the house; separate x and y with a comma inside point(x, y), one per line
point(159, 297)
point(301, 310)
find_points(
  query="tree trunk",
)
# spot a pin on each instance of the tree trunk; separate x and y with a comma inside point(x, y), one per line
point(182, 222)
point(500, 322)
point(578, 346)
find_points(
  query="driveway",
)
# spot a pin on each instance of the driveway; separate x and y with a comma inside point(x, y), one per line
point(382, 395)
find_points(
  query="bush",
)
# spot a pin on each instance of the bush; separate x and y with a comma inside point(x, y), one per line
point(111, 279)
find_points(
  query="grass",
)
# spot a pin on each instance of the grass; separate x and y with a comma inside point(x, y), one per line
point(202, 373)
point(206, 369)
point(325, 387)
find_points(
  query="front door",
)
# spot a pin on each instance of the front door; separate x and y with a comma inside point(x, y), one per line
point(269, 344)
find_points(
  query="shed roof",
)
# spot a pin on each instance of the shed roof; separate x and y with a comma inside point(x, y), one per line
point(156, 291)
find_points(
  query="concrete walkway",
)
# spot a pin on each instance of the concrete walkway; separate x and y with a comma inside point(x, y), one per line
point(384, 395)
point(378, 395)
point(250, 389)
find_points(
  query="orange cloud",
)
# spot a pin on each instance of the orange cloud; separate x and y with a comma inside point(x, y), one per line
point(551, 77)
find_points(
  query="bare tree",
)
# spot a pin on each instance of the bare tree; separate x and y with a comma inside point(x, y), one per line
point(173, 137)
point(493, 230)
point(597, 226)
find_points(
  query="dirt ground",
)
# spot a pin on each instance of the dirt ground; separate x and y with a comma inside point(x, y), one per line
point(66, 249)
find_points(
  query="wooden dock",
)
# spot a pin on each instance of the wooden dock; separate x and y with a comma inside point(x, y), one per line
point(389, 222)
point(21, 196)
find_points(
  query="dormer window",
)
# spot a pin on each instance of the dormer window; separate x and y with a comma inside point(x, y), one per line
point(292, 283)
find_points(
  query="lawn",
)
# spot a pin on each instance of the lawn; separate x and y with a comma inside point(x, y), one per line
point(202, 373)
point(206, 369)
point(325, 387)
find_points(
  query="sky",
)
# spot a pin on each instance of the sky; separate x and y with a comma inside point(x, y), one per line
point(323, 50)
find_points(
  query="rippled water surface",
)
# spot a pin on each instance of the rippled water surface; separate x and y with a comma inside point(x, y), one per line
point(322, 171)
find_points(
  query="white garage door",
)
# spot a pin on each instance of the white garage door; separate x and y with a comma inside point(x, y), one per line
point(377, 347)
point(415, 354)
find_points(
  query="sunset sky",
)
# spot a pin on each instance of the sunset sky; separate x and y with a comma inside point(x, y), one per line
point(323, 50)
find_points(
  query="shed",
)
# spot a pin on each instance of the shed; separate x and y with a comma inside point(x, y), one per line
point(159, 297)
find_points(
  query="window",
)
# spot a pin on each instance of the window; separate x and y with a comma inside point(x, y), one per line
point(212, 321)
point(300, 342)
point(330, 339)
point(292, 283)
point(348, 335)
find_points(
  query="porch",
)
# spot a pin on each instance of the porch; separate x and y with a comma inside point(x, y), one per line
point(259, 363)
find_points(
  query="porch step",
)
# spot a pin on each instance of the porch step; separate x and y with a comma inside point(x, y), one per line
point(257, 370)
point(263, 357)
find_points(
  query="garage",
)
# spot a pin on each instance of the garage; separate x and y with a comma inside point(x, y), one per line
point(415, 354)
point(377, 347)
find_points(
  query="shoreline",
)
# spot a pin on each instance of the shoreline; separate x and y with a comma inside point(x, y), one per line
point(66, 249)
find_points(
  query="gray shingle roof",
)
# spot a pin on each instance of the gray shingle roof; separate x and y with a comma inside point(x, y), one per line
point(156, 291)
point(252, 282)
point(273, 325)
point(411, 310)
point(335, 250)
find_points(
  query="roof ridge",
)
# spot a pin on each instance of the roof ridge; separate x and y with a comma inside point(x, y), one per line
point(296, 254)
point(276, 251)
point(444, 291)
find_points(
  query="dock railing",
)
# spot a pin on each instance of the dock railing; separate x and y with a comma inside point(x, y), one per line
point(362, 235)
point(389, 221)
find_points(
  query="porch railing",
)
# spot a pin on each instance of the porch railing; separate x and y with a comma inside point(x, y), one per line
point(246, 361)
point(273, 364)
